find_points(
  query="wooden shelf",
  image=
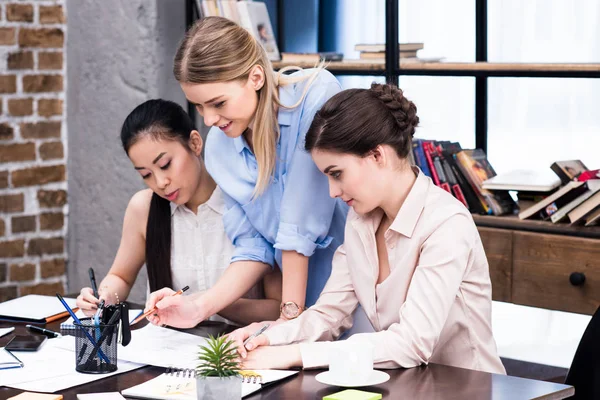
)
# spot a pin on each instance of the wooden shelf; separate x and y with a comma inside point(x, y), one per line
point(366, 67)
point(530, 225)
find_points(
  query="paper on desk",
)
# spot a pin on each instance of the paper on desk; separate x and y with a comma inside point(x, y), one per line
point(52, 368)
point(34, 307)
point(6, 331)
point(162, 347)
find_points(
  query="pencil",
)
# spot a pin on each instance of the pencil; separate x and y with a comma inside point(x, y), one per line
point(153, 310)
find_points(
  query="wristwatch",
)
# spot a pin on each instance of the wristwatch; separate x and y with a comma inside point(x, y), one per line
point(291, 310)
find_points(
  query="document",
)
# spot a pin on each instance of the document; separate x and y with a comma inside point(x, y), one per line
point(33, 308)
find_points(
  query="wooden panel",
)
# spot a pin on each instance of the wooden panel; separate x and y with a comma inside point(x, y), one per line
point(542, 265)
point(498, 248)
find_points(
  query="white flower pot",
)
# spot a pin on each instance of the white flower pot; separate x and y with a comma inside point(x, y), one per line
point(215, 388)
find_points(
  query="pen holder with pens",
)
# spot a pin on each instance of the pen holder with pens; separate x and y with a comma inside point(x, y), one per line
point(96, 347)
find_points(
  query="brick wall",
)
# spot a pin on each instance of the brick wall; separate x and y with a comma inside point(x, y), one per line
point(33, 143)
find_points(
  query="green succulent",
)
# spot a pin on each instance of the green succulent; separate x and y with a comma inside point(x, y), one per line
point(218, 358)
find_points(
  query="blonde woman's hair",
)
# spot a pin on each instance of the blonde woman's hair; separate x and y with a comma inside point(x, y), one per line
point(216, 49)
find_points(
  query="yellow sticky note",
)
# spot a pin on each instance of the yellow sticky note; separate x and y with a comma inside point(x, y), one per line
point(36, 396)
point(352, 394)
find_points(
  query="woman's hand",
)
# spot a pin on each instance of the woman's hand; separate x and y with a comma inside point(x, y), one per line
point(87, 302)
point(240, 335)
point(273, 357)
point(176, 311)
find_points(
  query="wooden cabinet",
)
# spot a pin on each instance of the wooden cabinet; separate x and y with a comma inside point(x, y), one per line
point(559, 270)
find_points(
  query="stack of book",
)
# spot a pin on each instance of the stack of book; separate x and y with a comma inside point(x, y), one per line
point(577, 201)
point(376, 52)
point(462, 173)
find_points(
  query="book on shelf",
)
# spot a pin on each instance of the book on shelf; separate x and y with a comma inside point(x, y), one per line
point(378, 47)
point(380, 55)
point(593, 218)
point(568, 170)
point(552, 203)
point(585, 208)
point(255, 18)
point(589, 174)
point(593, 186)
point(523, 180)
point(312, 57)
point(477, 169)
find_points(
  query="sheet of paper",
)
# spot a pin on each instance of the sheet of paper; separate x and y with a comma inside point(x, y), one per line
point(6, 331)
point(34, 306)
point(162, 347)
point(52, 368)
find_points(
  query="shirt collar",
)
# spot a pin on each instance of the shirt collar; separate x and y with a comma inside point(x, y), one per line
point(408, 215)
point(215, 202)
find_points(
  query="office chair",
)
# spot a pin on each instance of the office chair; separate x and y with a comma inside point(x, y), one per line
point(584, 373)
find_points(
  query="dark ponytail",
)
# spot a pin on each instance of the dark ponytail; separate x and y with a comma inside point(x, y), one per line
point(159, 120)
point(356, 121)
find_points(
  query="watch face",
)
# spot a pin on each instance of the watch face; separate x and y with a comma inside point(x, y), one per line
point(290, 310)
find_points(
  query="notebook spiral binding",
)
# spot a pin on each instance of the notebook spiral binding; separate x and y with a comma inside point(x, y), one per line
point(247, 376)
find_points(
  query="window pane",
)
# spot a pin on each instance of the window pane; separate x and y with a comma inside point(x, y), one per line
point(543, 31)
point(534, 122)
point(433, 22)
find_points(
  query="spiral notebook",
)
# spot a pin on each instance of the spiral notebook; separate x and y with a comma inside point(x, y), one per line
point(181, 385)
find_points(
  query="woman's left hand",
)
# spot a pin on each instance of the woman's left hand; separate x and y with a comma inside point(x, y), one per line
point(273, 357)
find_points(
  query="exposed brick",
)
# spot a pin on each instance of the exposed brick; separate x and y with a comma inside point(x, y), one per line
point(2, 230)
point(22, 272)
point(20, 60)
point(52, 151)
point(50, 268)
point(38, 175)
point(20, 107)
point(19, 12)
point(50, 107)
point(8, 293)
point(52, 15)
point(50, 60)
point(12, 248)
point(8, 83)
point(6, 131)
point(41, 37)
point(40, 246)
point(40, 130)
point(12, 203)
point(52, 198)
point(42, 83)
point(17, 152)
point(3, 179)
point(8, 36)
point(49, 289)
point(3, 272)
point(23, 224)
point(51, 221)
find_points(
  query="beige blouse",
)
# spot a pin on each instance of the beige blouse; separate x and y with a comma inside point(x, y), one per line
point(435, 306)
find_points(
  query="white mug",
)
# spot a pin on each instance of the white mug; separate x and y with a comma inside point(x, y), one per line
point(351, 361)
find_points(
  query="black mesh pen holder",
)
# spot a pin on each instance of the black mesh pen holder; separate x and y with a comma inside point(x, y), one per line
point(96, 347)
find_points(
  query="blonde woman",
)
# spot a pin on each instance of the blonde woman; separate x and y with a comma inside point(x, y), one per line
point(279, 212)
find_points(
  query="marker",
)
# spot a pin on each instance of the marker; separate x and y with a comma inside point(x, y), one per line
point(43, 331)
point(93, 281)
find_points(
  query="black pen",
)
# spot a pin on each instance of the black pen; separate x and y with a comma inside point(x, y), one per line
point(43, 331)
point(93, 281)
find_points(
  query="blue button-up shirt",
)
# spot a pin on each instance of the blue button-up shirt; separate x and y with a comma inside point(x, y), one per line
point(295, 212)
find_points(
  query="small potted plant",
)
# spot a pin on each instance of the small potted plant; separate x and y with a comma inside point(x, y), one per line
point(218, 373)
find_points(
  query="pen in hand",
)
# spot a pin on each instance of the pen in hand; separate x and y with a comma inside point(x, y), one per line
point(153, 310)
point(93, 282)
point(43, 331)
point(257, 333)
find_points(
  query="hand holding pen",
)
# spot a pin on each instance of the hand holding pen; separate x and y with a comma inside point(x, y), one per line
point(158, 301)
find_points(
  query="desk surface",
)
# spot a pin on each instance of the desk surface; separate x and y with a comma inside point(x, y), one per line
point(430, 382)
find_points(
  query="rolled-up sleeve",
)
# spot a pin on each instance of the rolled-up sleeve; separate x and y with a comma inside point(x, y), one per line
point(306, 207)
point(249, 244)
